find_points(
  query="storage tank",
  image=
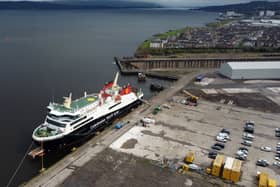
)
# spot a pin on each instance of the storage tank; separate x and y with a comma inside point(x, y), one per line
point(217, 165)
point(236, 170)
point(227, 168)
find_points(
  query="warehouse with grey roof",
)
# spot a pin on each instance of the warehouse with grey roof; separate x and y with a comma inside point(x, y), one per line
point(251, 70)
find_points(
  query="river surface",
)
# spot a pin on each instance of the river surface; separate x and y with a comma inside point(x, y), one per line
point(45, 55)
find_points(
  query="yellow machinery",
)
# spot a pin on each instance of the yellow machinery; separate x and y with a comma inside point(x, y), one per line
point(228, 168)
point(217, 165)
point(236, 171)
point(190, 157)
point(193, 98)
point(265, 181)
point(185, 167)
point(272, 183)
point(263, 178)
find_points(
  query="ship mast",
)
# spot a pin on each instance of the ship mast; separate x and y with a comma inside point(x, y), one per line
point(116, 80)
point(68, 101)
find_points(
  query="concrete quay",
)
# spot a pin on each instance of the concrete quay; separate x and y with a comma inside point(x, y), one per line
point(55, 175)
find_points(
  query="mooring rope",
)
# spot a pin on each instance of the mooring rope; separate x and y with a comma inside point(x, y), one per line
point(19, 166)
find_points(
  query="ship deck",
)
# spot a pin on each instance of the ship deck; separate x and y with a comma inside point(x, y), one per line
point(77, 104)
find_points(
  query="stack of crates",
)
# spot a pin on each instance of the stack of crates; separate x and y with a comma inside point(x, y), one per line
point(272, 183)
point(227, 168)
point(236, 170)
point(265, 181)
point(217, 165)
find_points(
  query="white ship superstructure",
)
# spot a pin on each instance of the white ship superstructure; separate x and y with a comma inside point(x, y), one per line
point(87, 113)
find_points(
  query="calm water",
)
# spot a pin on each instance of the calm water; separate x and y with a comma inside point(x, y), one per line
point(47, 54)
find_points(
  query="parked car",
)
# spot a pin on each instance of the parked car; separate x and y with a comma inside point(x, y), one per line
point(249, 129)
point(225, 135)
point(221, 139)
point(246, 142)
point(225, 131)
point(266, 148)
point(216, 147)
point(220, 144)
point(249, 122)
point(277, 158)
point(242, 153)
point(247, 136)
point(263, 163)
point(212, 154)
point(244, 149)
point(277, 130)
point(277, 163)
point(241, 157)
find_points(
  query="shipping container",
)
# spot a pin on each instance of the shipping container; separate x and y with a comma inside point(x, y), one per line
point(236, 170)
point(263, 180)
point(227, 168)
point(217, 165)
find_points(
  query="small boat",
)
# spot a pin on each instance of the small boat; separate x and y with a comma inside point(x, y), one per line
point(156, 87)
point(141, 77)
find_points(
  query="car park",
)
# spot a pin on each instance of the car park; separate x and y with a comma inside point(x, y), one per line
point(266, 148)
point(263, 163)
point(246, 142)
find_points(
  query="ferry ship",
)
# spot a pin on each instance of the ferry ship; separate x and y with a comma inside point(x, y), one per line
point(72, 120)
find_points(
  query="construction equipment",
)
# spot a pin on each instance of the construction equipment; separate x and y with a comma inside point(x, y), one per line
point(190, 157)
point(192, 99)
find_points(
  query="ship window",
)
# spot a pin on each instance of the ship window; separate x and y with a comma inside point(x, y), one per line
point(63, 116)
point(73, 123)
point(52, 122)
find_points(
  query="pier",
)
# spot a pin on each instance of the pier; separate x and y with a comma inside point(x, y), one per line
point(133, 65)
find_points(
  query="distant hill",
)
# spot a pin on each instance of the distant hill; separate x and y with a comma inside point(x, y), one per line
point(34, 5)
point(245, 8)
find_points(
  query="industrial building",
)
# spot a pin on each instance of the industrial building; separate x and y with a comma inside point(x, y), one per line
point(251, 70)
